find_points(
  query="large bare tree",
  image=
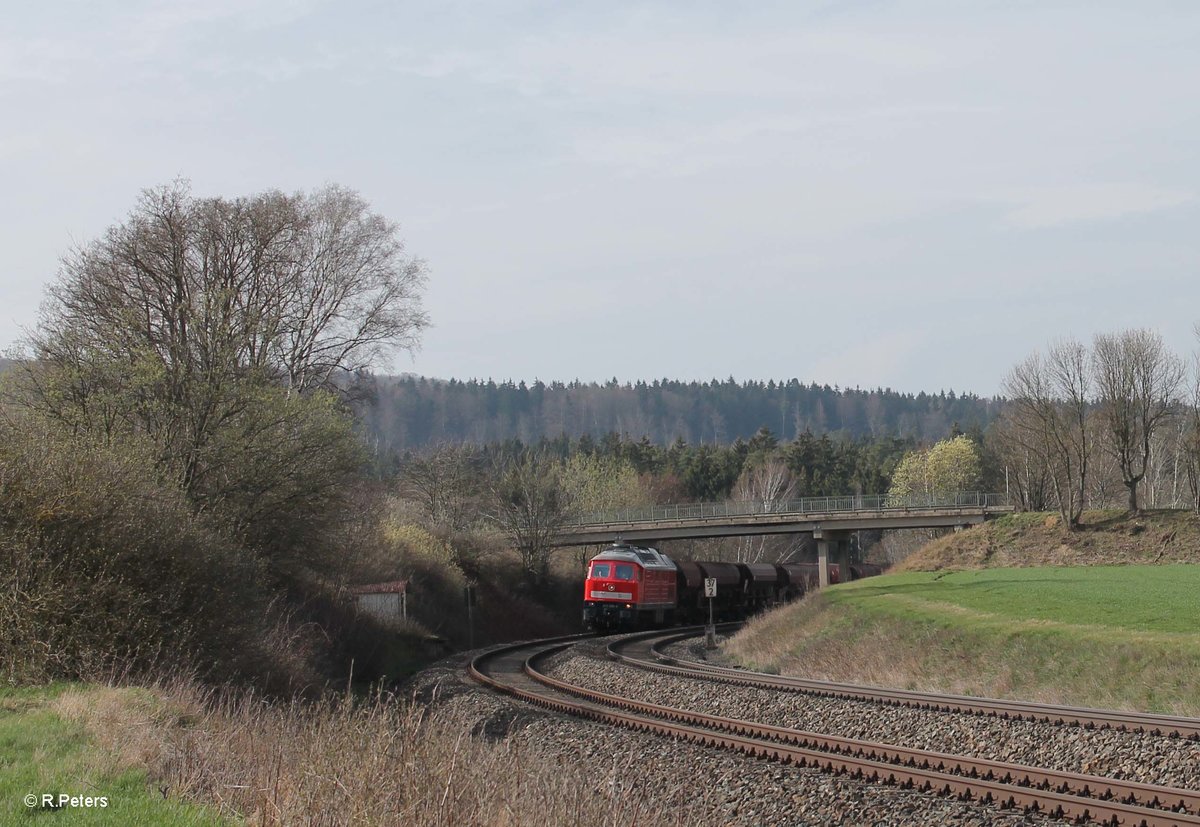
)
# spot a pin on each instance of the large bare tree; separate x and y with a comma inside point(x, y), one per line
point(159, 325)
point(217, 329)
point(1138, 382)
point(1048, 419)
point(301, 286)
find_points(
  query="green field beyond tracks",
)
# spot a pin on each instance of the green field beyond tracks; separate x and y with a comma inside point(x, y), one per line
point(1099, 600)
point(1119, 636)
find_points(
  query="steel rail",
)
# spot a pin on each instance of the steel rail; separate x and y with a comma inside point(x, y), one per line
point(1132, 792)
point(883, 765)
point(1089, 718)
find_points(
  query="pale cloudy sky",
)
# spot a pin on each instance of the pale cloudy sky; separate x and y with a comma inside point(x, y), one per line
point(907, 194)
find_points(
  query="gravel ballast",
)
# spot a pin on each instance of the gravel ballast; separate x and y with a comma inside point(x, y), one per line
point(1150, 759)
point(652, 780)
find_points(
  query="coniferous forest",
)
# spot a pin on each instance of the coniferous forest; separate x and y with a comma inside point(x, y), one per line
point(407, 413)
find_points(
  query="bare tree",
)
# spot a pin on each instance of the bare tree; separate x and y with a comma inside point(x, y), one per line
point(1049, 420)
point(1190, 439)
point(215, 330)
point(1138, 381)
point(1026, 476)
point(299, 286)
point(445, 482)
point(529, 504)
point(161, 325)
point(768, 484)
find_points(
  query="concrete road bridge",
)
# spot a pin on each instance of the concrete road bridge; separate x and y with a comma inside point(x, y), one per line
point(828, 519)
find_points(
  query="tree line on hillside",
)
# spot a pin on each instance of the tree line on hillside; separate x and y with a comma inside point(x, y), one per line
point(818, 466)
point(529, 491)
point(1113, 423)
point(408, 413)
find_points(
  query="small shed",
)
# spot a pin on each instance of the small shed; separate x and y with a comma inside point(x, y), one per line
point(386, 602)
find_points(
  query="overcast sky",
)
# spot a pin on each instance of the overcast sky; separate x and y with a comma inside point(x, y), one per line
point(903, 194)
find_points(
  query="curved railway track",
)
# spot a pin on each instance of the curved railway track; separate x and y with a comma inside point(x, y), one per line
point(515, 670)
point(645, 652)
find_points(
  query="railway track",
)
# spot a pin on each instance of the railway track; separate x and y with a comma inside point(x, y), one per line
point(516, 671)
point(645, 651)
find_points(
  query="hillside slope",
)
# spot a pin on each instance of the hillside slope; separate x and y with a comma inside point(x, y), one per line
point(1037, 539)
point(1016, 608)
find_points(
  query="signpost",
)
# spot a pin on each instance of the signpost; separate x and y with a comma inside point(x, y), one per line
point(469, 598)
point(710, 631)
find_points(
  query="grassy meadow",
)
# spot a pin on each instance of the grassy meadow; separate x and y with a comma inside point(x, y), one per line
point(45, 748)
point(1112, 636)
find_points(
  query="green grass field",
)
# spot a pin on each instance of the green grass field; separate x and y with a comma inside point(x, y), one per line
point(43, 753)
point(1110, 599)
point(1111, 636)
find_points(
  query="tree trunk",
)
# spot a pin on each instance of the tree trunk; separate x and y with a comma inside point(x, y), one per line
point(1133, 501)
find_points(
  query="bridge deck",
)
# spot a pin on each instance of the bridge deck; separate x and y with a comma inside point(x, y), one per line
point(815, 516)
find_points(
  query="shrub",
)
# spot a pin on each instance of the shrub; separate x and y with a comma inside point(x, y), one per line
point(103, 566)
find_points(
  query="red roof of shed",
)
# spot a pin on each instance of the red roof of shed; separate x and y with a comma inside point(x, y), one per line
point(392, 587)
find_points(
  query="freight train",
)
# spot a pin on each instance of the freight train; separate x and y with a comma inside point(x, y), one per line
point(631, 587)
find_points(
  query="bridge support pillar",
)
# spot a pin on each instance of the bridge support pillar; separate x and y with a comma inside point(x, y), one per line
point(832, 544)
point(823, 559)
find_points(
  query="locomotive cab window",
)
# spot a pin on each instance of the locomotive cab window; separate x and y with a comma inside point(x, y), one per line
point(599, 569)
point(624, 571)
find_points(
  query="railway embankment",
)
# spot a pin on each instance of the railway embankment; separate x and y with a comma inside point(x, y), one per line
point(1107, 617)
point(1037, 539)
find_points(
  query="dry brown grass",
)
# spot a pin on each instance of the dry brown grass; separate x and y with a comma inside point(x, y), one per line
point(814, 640)
point(820, 639)
point(810, 640)
point(339, 762)
point(1105, 538)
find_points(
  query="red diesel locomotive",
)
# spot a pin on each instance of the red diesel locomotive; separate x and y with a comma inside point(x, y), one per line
point(631, 587)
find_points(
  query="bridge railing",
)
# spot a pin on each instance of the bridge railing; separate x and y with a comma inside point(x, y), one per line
point(804, 505)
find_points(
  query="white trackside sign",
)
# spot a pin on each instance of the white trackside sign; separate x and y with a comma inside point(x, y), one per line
point(710, 587)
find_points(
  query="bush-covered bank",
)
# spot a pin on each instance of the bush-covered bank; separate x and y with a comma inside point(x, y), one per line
point(107, 568)
point(1115, 637)
point(103, 566)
